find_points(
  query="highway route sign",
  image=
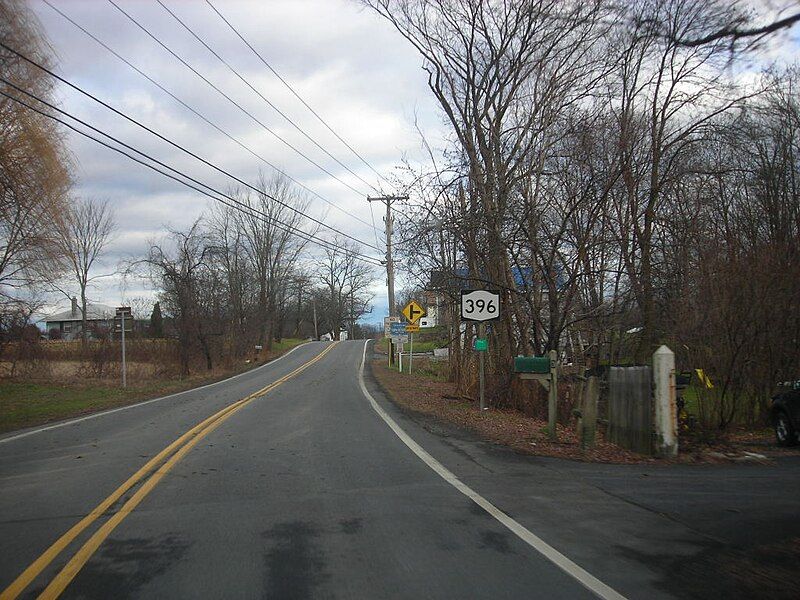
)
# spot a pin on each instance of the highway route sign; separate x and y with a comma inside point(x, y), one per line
point(413, 312)
point(480, 305)
point(387, 325)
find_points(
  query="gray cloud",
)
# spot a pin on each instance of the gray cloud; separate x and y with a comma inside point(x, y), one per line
point(351, 66)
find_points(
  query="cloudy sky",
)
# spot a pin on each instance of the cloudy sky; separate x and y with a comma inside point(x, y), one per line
point(343, 60)
point(347, 63)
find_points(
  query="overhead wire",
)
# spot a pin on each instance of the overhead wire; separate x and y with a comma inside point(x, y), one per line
point(196, 185)
point(202, 116)
point(375, 229)
point(296, 95)
point(208, 47)
point(180, 147)
point(231, 100)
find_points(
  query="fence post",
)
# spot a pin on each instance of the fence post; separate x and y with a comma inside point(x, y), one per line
point(666, 409)
point(591, 393)
point(552, 397)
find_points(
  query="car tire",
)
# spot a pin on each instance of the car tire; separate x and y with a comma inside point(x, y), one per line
point(784, 431)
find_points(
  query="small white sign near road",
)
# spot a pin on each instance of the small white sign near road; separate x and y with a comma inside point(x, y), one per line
point(480, 305)
point(387, 325)
point(427, 322)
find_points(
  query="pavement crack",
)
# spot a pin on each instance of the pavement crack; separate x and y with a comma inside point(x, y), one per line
point(465, 454)
point(659, 513)
point(40, 519)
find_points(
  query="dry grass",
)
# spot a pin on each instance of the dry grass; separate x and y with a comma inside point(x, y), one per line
point(51, 390)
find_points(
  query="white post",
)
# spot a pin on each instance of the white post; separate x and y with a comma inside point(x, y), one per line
point(666, 408)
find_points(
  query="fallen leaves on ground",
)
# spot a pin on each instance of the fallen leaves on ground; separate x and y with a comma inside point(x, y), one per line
point(528, 435)
point(508, 427)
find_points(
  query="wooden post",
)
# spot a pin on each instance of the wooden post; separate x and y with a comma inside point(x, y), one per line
point(588, 429)
point(552, 399)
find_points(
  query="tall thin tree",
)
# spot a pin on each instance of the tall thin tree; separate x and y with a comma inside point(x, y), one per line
point(86, 229)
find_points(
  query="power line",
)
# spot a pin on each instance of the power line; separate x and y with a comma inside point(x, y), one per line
point(178, 146)
point(231, 100)
point(230, 202)
point(203, 117)
point(296, 95)
point(264, 98)
point(375, 229)
point(241, 205)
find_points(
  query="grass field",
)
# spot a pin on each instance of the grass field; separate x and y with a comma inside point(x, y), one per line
point(428, 346)
point(29, 403)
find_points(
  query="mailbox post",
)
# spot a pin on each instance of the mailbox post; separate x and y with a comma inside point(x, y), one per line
point(543, 369)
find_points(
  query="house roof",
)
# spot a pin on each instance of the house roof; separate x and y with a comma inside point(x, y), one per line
point(94, 312)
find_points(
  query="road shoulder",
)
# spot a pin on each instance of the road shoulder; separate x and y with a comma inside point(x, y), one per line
point(635, 537)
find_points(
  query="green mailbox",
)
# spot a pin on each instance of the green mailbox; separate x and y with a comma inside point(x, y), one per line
point(532, 364)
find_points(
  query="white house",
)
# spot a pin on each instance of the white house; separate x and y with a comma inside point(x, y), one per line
point(68, 323)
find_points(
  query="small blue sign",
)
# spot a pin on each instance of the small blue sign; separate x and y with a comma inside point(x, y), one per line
point(398, 329)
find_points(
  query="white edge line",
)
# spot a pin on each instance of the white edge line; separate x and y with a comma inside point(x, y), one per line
point(588, 580)
point(138, 404)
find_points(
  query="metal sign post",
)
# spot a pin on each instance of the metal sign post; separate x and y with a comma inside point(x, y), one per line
point(480, 306)
point(124, 365)
point(122, 312)
point(481, 358)
point(413, 312)
point(411, 352)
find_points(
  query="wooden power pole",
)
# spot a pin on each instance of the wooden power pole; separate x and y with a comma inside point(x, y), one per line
point(387, 200)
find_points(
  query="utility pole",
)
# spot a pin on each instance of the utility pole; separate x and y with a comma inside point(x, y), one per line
point(387, 200)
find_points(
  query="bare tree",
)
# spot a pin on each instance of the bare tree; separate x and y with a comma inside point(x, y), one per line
point(176, 266)
point(345, 294)
point(271, 248)
point(503, 74)
point(85, 231)
point(34, 165)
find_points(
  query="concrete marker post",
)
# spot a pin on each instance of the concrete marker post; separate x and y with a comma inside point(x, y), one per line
point(666, 411)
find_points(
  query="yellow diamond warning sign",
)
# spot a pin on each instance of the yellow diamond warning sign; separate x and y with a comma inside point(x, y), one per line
point(413, 312)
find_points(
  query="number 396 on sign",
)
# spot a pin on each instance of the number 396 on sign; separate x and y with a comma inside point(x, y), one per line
point(480, 305)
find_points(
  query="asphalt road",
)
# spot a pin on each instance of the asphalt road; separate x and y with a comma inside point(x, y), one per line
point(307, 491)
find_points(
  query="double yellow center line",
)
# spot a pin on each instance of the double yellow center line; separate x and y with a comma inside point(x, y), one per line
point(156, 468)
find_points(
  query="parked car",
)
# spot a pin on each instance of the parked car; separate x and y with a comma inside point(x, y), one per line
point(785, 414)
